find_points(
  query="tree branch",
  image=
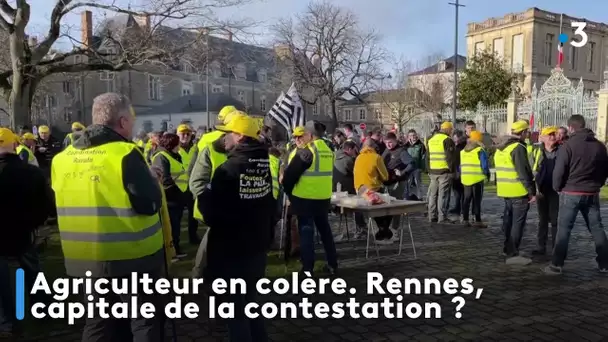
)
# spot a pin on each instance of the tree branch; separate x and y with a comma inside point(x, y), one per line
point(54, 31)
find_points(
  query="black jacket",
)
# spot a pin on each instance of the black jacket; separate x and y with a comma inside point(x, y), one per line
point(238, 205)
point(52, 146)
point(142, 188)
point(581, 165)
point(175, 197)
point(398, 159)
point(301, 206)
point(25, 203)
point(343, 172)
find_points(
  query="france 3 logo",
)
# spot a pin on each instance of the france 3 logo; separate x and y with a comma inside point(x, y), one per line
point(579, 38)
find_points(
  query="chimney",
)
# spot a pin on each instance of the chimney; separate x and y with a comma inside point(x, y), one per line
point(86, 28)
point(143, 21)
point(282, 51)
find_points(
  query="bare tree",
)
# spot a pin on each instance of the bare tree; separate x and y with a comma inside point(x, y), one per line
point(328, 54)
point(151, 41)
point(412, 92)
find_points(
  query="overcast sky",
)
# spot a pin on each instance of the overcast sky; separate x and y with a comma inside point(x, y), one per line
point(411, 28)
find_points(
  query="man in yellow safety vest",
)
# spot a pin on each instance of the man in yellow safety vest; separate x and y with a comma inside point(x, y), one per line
point(187, 151)
point(203, 168)
point(25, 150)
point(474, 170)
point(108, 203)
point(514, 183)
point(308, 183)
point(239, 208)
point(542, 159)
point(77, 129)
point(208, 138)
point(441, 165)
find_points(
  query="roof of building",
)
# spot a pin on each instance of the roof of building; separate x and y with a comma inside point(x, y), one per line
point(393, 95)
point(196, 103)
point(229, 53)
point(449, 66)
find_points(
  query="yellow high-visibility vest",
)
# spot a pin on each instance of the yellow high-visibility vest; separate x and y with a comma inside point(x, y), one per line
point(316, 181)
point(139, 143)
point(275, 166)
point(31, 159)
point(216, 159)
point(508, 184)
point(529, 146)
point(186, 156)
point(95, 217)
point(178, 172)
point(71, 136)
point(147, 147)
point(470, 167)
point(208, 138)
point(437, 159)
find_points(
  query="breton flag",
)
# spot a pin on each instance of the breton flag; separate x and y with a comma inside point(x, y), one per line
point(288, 110)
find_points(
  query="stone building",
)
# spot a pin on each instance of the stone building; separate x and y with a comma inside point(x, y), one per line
point(437, 80)
point(242, 72)
point(528, 43)
point(387, 108)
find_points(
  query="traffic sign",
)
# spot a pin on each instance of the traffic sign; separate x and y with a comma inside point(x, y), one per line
point(362, 125)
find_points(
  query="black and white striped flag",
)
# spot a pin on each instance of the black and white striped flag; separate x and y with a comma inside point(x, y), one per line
point(288, 110)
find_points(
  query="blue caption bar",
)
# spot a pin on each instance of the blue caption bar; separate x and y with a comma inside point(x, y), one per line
point(19, 294)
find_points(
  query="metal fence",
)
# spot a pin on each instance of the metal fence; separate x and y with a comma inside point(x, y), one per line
point(489, 119)
point(556, 101)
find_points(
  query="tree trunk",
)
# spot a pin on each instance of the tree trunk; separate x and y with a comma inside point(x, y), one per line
point(334, 115)
point(20, 102)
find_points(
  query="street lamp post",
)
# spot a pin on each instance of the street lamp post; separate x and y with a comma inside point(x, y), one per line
point(388, 76)
point(457, 6)
point(207, 81)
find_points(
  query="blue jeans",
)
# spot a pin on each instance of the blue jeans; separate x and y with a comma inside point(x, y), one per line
point(175, 217)
point(30, 264)
point(306, 226)
point(513, 223)
point(250, 269)
point(589, 207)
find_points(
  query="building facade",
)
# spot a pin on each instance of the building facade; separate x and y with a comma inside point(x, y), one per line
point(387, 109)
point(437, 80)
point(528, 43)
point(246, 75)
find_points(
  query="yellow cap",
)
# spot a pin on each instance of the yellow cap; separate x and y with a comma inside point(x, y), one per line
point(221, 116)
point(299, 131)
point(77, 125)
point(183, 128)
point(241, 124)
point(229, 117)
point(447, 125)
point(476, 136)
point(43, 129)
point(519, 126)
point(7, 137)
point(548, 130)
point(28, 136)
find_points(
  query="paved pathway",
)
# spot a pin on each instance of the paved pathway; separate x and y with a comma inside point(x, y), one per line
point(518, 303)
